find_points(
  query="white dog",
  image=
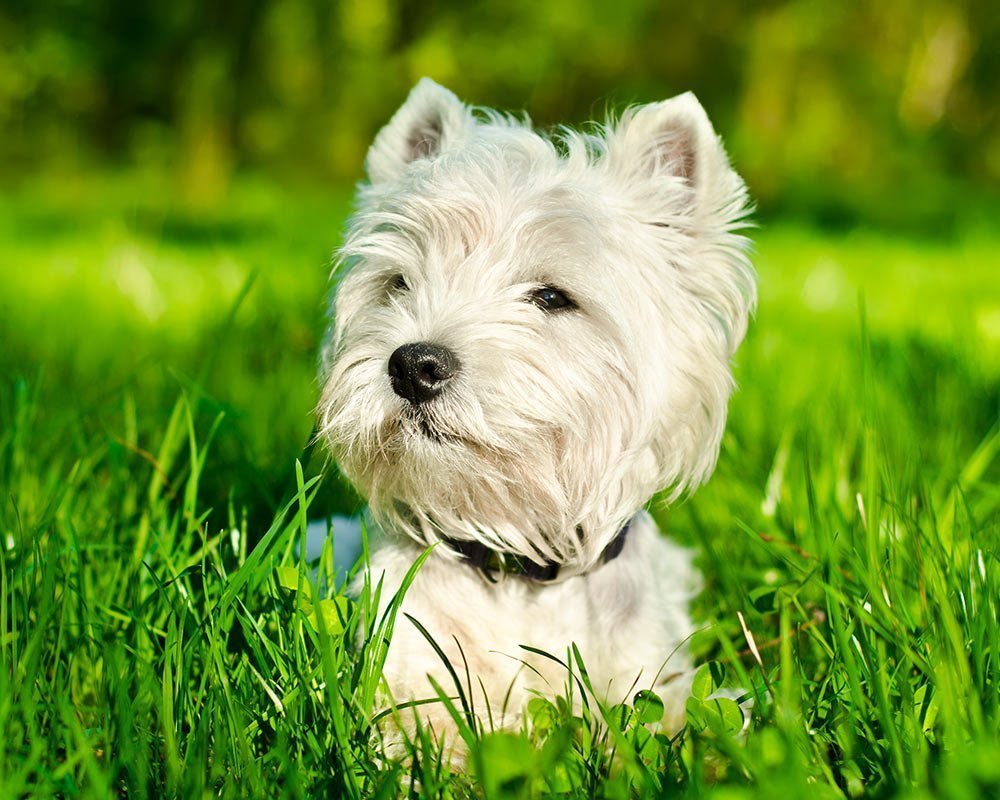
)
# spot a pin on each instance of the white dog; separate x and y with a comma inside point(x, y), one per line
point(533, 336)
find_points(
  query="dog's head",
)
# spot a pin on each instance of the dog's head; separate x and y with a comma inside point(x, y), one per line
point(532, 335)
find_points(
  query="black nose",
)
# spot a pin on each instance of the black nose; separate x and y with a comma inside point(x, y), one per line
point(419, 371)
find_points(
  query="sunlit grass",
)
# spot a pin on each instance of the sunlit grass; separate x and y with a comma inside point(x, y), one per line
point(159, 637)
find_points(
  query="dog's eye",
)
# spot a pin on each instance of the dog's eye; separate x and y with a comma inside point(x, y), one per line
point(549, 298)
point(398, 284)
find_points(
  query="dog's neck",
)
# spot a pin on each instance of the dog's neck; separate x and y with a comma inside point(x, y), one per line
point(495, 564)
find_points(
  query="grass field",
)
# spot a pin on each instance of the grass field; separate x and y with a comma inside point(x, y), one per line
point(159, 637)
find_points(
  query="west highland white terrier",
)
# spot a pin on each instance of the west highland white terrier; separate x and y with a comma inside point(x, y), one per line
point(531, 336)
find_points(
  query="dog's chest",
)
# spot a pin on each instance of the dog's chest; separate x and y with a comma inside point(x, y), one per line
point(626, 619)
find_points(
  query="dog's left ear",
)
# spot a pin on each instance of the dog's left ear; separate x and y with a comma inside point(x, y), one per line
point(672, 144)
point(670, 160)
point(430, 121)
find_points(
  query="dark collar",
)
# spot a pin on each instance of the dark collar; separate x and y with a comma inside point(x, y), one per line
point(494, 563)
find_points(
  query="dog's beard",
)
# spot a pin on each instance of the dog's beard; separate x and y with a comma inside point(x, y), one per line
point(481, 466)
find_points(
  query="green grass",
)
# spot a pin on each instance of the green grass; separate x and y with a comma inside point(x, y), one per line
point(160, 639)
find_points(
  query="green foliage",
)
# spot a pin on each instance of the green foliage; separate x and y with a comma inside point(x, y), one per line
point(833, 111)
point(159, 637)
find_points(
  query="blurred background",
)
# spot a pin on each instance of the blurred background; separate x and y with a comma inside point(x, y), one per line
point(175, 174)
point(884, 113)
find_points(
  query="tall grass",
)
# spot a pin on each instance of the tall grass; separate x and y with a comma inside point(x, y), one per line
point(160, 637)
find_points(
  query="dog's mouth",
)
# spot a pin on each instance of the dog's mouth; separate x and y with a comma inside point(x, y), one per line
point(417, 422)
point(415, 429)
point(426, 429)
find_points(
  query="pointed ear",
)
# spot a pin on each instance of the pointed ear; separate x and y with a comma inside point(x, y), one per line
point(673, 142)
point(669, 159)
point(431, 120)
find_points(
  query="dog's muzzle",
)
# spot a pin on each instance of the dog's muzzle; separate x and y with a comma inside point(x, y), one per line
point(419, 371)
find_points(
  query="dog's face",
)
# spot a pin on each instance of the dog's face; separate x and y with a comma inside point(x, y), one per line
point(532, 336)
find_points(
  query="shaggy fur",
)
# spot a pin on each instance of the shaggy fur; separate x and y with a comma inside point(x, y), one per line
point(560, 425)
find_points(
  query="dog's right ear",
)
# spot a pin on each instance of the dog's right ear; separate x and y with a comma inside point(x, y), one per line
point(430, 121)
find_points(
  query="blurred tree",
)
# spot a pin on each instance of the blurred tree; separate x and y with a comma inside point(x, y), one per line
point(882, 111)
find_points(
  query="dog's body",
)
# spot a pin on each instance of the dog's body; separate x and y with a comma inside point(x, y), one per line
point(532, 338)
point(629, 618)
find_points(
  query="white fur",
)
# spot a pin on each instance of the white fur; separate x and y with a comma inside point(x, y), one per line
point(559, 426)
